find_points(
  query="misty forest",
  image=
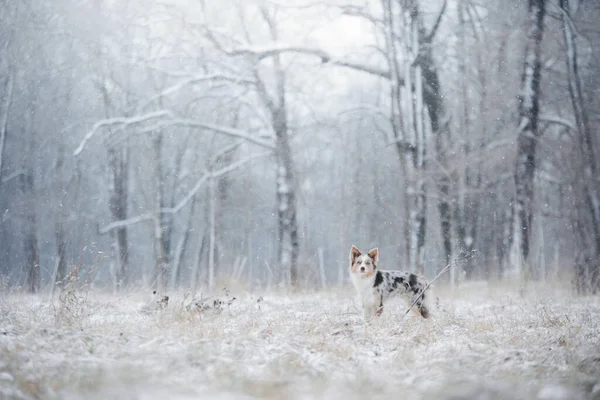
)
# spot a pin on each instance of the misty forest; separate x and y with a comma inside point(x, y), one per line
point(207, 147)
point(183, 144)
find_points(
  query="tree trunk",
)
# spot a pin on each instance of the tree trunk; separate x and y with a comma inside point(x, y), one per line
point(287, 255)
point(407, 117)
point(118, 162)
point(161, 220)
point(288, 241)
point(212, 232)
point(507, 239)
point(590, 167)
point(527, 139)
point(197, 261)
point(466, 205)
point(182, 247)
point(61, 250)
point(63, 206)
point(4, 121)
point(32, 255)
point(436, 109)
point(420, 222)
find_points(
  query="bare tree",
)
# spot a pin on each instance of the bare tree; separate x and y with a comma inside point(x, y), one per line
point(276, 104)
point(528, 132)
point(587, 270)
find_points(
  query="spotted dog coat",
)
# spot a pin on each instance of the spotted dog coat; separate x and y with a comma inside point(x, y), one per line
point(374, 285)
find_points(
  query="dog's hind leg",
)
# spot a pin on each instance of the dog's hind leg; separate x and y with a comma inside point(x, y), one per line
point(420, 304)
point(417, 285)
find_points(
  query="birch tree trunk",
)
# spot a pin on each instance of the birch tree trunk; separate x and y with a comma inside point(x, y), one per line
point(286, 200)
point(161, 223)
point(411, 91)
point(288, 242)
point(590, 166)
point(528, 134)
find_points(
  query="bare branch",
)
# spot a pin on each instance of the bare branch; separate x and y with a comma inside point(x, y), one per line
point(270, 50)
point(196, 79)
point(212, 175)
point(356, 11)
point(187, 197)
point(121, 122)
point(555, 119)
point(12, 176)
point(436, 25)
point(127, 222)
point(170, 121)
point(233, 132)
point(278, 48)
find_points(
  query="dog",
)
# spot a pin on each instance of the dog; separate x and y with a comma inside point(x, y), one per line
point(374, 285)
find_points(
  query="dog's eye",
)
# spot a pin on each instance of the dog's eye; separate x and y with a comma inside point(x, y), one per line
point(368, 262)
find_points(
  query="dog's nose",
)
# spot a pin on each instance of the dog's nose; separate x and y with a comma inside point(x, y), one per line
point(362, 269)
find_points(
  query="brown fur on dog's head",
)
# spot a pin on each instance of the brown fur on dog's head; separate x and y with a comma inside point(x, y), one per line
point(365, 264)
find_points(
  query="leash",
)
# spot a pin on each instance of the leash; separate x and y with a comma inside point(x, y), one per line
point(460, 257)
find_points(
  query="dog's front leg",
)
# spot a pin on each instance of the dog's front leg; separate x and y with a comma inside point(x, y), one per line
point(368, 311)
point(370, 308)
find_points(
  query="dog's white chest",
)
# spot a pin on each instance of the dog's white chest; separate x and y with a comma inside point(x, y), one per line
point(364, 287)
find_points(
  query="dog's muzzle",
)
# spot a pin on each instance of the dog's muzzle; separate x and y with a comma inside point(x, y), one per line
point(362, 269)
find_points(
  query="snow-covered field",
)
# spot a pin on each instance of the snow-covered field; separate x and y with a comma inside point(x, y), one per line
point(486, 342)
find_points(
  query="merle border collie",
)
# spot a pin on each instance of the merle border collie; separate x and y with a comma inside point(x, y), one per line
point(373, 285)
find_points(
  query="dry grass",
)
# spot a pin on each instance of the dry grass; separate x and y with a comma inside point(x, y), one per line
point(486, 342)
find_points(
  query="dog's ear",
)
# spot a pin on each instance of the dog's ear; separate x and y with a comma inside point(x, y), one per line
point(354, 252)
point(374, 254)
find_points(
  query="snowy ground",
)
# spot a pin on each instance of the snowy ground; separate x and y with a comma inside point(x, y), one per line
point(487, 342)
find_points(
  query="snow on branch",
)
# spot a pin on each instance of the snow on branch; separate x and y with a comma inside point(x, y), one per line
point(233, 132)
point(170, 120)
point(172, 210)
point(265, 51)
point(197, 79)
point(273, 49)
point(189, 196)
point(212, 175)
point(126, 222)
point(121, 122)
point(555, 119)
